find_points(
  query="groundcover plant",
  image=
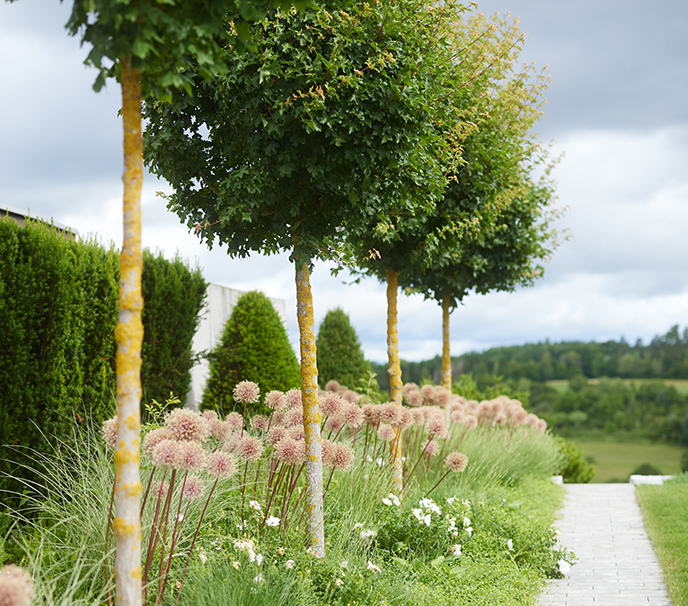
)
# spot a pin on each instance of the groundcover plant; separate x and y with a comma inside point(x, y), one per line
point(223, 513)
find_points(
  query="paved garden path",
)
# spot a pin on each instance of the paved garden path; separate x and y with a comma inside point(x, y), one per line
point(617, 565)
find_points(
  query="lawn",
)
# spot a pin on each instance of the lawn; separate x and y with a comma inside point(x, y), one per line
point(681, 385)
point(615, 461)
point(665, 510)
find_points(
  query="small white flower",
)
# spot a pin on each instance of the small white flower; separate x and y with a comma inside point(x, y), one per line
point(380, 461)
point(180, 517)
point(258, 579)
point(466, 522)
point(370, 459)
point(366, 477)
point(450, 500)
point(204, 558)
point(386, 501)
point(564, 566)
point(259, 559)
point(367, 534)
point(395, 499)
point(372, 567)
point(510, 545)
point(289, 563)
point(469, 530)
point(256, 505)
point(455, 550)
point(431, 505)
point(235, 564)
point(344, 564)
point(272, 521)
point(339, 582)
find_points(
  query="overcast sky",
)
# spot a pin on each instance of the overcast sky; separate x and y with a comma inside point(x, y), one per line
point(617, 107)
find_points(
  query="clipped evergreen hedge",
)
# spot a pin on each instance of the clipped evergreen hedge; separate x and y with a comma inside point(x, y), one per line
point(58, 312)
point(254, 347)
point(339, 352)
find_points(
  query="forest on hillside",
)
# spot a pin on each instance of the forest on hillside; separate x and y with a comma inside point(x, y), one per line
point(607, 405)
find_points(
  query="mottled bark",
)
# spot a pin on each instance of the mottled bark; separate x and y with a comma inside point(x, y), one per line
point(129, 336)
point(311, 412)
point(446, 355)
point(394, 371)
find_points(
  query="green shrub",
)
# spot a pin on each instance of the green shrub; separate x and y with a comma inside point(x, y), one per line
point(575, 470)
point(646, 469)
point(684, 462)
point(340, 357)
point(254, 347)
point(59, 304)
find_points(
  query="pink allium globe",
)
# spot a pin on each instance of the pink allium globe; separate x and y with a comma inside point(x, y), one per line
point(194, 488)
point(330, 403)
point(249, 448)
point(275, 435)
point(386, 432)
point(294, 398)
point(353, 415)
point(235, 421)
point(275, 400)
point(191, 456)
point(246, 392)
point(110, 432)
point(332, 385)
point(187, 425)
point(342, 457)
point(456, 461)
point(258, 423)
point(221, 464)
point(166, 454)
point(290, 451)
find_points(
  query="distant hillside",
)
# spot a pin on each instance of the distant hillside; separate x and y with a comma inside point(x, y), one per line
point(665, 357)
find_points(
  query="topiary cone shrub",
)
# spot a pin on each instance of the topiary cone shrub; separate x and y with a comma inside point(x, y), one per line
point(340, 357)
point(254, 347)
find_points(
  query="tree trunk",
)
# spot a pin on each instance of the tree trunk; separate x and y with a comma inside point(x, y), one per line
point(311, 412)
point(394, 376)
point(446, 355)
point(129, 336)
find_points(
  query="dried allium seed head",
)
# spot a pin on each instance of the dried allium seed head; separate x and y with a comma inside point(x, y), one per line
point(153, 438)
point(353, 415)
point(221, 464)
point(231, 442)
point(470, 421)
point(275, 400)
point(386, 432)
point(191, 456)
point(290, 451)
point(457, 416)
point(258, 423)
point(501, 419)
point(517, 417)
point(456, 461)
point(334, 423)
point(249, 448)
point(277, 418)
point(294, 398)
point(185, 424)
point(541, 425)
point(442, 395)
point(327, 452)
point(418, 417)
point(331, 403)
point(408, 387)
point(220, 430)
point(160, 489)
point(371, 412)
point(275, 435)
point(431, 447)
point(296, 432)
point(437, 428)
point(246, 392)
point(352, 396)
point(16, 586)
point(390, 413)
point(531, 420)
point(235, 421)
point(414, 398)
point(166, 454)
point(210, 415)
point(428, 393)
point(110, 432)
point(332, 385)
point(194, 488)
point(294, 417)
point(342, 457)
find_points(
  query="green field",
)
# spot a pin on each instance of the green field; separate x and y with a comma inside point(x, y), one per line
point(680, 384)
point(615, 461)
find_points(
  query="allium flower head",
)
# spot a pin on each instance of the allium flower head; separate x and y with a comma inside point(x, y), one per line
point(16, 586)
point(390, 413)
point(442, 395)
point(373, 568)
point(220, 430)
point(330, 403)
point(414, 398)
point(153, 438)
point(246, 392)
point(191, 456)
point(457, 416)
point(185, 424)
point(456, 461)
point(235, 421)
point(277, 418)
point(275, 400)
point(334, 423)
point(210, 415)
point(437, 428)
point(428, 393)
point(386, 432)
point(221, 464)
point(332, 385)
point(294, 398)
point(160, 489)
point(294, 417)
point(275, 435)
point(230, 444)
point(342, 456)
point(352, 396)
point(418, 417)
point(249, 448)
point(258, 423)
point(110, 432)
point(470, 421)
point(166, 454)
point(431, 447)
point(290, 451)
point(194, 488)
point(371, 412)
point(296, 432)
point(327, 452)
point(353, 415)
point(541, 425)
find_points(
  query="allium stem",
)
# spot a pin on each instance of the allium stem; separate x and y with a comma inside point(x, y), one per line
point(107, 539)
point(420, 457)
point(152, 542)
point(148, 487)
point(437, 484)
point(274, 490)
point(193, 542)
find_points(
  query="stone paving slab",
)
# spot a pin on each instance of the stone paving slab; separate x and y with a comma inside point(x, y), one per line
point(617, 565)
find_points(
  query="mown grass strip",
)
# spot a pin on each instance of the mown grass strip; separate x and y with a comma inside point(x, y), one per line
point(665, 510)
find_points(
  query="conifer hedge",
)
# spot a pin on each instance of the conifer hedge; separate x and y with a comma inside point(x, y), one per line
point(58, 312)
point(254, 347)
point(339, 352)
